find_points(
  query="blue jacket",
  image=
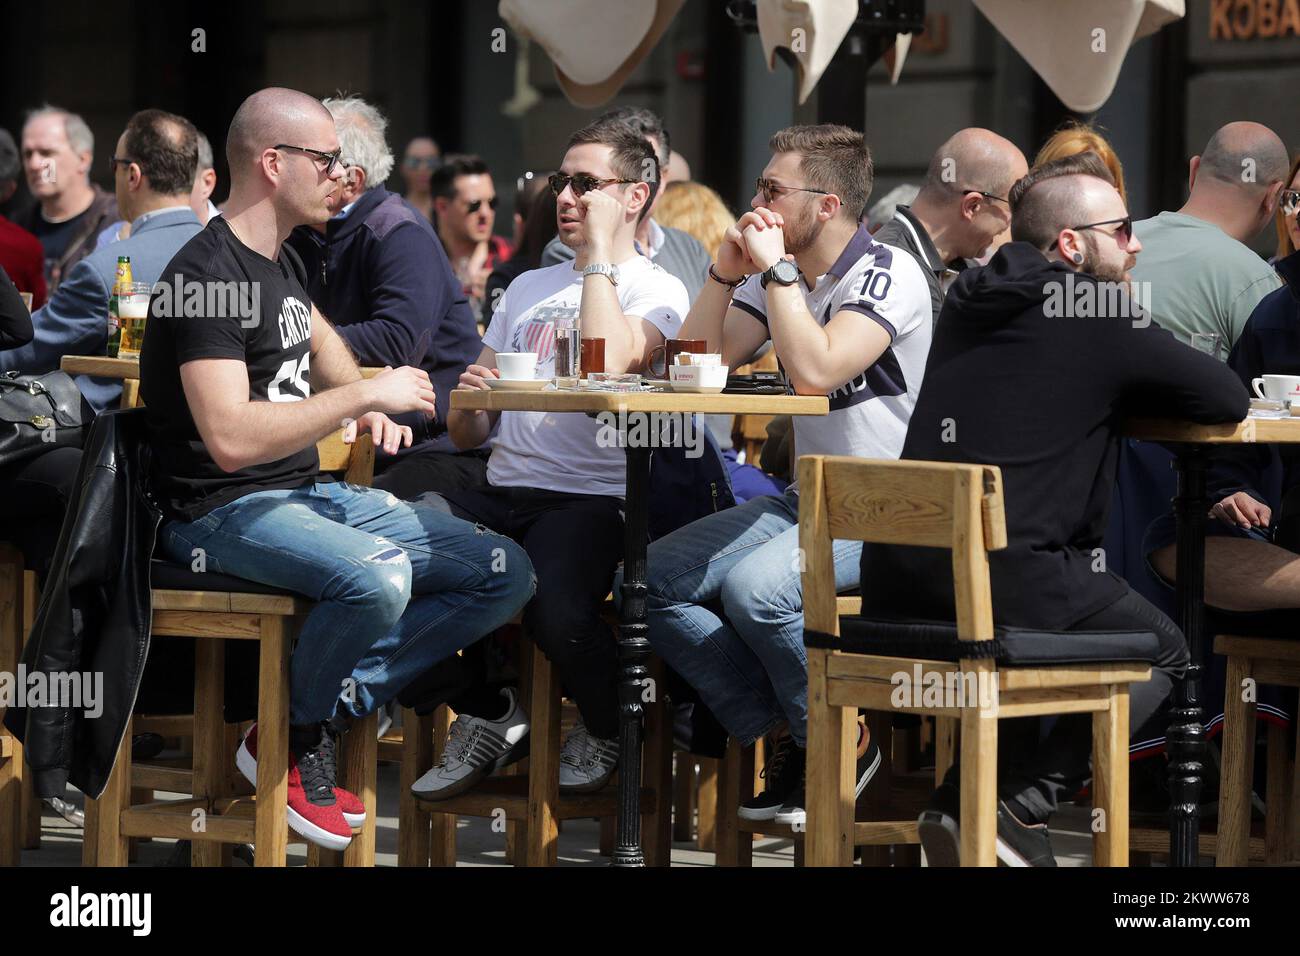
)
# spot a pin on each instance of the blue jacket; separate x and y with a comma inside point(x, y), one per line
point(381, 276)
point(75, 320)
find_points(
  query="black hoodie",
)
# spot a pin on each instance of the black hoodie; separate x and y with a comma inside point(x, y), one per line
point(1012, 382)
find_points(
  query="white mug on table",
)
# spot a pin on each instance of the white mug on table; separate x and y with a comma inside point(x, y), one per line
point(1277, 387)
point(521, 366)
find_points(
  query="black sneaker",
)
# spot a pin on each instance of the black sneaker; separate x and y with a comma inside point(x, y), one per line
point(792, 812)
point(1017, 843)
point(784, 775)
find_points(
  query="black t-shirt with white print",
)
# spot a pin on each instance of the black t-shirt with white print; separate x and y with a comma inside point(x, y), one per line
point(219, 299)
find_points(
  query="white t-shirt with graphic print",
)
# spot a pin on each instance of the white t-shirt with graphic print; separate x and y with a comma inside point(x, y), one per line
point(869, 414)
point(558, 451)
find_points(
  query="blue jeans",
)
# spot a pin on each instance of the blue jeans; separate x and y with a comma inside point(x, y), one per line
point(725, 610)
point(398, 586)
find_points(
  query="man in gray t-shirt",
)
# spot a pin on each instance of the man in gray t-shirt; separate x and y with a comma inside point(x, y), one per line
point(1196, 274)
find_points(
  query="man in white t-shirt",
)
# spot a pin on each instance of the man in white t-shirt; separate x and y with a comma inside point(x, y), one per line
point(849, 318)
point(551, 485)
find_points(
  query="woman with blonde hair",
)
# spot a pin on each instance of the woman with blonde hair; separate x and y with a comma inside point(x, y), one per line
point(696, 210)
point(1075, 138)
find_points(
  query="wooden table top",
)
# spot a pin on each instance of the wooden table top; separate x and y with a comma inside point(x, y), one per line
point(1252, 430)
point(102, 366)
point(550, 400)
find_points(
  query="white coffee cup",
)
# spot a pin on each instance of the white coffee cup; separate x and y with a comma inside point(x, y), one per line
point(517, 366)
point(1277, 387)
point(699, 376)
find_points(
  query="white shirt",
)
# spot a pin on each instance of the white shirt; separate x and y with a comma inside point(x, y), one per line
point(869, 414)
point(558, 451)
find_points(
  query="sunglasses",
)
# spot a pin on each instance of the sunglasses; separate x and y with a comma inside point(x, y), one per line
point(771, 191)
point(115, 161)
point(980, 192)
point(477, 204)
point(422, 162)
point(1290, 201)
point(331, 160)
point(581, 182)
point(1123, 233)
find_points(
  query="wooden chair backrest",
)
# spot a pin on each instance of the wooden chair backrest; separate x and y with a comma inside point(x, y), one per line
point(921, 503)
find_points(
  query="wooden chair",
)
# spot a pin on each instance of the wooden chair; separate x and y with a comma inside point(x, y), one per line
point(20, 811)
point(216, 817)
point(960, 508)
point(1262, 660)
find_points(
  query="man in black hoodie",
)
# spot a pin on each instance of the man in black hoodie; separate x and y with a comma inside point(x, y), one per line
point(1036, 362)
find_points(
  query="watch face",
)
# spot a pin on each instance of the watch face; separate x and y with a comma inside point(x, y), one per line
point(786, 272)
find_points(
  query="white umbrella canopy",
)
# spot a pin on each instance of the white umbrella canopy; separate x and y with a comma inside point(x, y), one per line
point(1078, 47)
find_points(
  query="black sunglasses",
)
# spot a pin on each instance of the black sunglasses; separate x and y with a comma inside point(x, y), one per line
point(422, 162)
point(770, 193)
point(980, 192)
point(1290, 201)
point(581, 182)
point(331, 159)
point(114, 161)
point(1125, 230)
point(477, 204)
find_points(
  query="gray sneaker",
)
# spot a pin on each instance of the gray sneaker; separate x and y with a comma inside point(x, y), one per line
point(586, 761)
point(475, 749)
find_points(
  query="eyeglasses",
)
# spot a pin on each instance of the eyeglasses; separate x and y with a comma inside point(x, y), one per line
point(1124, 232)
point(330, 159)
point(475, 205)
point(422, 162)
point(980, 192)
point(115, 161)
point(770, 194)
point(581, 182)
point(1290, 201)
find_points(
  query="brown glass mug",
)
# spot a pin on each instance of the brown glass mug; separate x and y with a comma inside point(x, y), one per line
point(670, 350)
point(593, 356)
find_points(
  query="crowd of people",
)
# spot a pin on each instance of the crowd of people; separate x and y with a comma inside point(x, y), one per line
point(927, 319)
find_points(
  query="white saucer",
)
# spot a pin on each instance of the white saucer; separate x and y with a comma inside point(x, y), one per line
point(518, 385)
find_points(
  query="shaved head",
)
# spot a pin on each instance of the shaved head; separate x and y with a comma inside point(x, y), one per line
point(974, 158)
point(271, 116)
point(1245, 155)
point(1059, 195)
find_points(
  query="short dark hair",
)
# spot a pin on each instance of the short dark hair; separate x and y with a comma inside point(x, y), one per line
point(632, 156)
point(833, 158)
point(646, 122)
point(165, 147)
point(443, 181)
point(1041, 205)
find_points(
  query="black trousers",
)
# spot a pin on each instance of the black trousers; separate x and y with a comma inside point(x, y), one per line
point(575, 543)
point(1035, 775)
point(419, 472)
point(34, 496)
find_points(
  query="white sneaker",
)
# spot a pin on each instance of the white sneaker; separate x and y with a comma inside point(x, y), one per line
point(586, 762)
point(475, 749)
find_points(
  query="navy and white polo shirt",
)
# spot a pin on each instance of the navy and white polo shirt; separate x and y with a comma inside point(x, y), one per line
point(868, 414)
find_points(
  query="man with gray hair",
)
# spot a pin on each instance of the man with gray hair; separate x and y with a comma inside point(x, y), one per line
point(70, 211)
point(377, 270)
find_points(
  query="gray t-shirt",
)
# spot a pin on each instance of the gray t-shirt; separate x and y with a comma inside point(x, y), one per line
point(1195, 278)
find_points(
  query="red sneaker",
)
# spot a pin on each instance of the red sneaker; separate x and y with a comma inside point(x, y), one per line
point(349, 804)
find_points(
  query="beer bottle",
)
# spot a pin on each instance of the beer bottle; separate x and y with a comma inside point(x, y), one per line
point(121, 278)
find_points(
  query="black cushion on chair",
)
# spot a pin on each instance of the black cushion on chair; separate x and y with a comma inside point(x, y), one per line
point(167, 576)
point(937, 640)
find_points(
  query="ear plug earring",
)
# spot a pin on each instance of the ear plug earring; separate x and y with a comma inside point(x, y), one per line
point(1078, 258)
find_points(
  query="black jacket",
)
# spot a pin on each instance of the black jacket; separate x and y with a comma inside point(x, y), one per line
point(1024, 373)
point(381, 276)
point(15, 320)
point(95, 611)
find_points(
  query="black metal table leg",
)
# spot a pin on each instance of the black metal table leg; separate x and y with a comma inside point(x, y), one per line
point(633, 652)
point(1186, 734)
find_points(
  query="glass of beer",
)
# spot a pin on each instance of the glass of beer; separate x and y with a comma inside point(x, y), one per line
point(132, 311)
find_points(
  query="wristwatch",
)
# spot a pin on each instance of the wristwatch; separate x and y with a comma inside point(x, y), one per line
point(606, 269)
point(782, 272)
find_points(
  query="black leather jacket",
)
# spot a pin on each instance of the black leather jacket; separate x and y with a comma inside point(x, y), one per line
point(95, 610)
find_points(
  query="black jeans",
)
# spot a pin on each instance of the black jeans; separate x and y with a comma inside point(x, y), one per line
point(34, 496)
point(1034, 775)
point(575, 543)
point(420, 471)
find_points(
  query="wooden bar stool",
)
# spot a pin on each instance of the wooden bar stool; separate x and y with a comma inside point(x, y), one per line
point(852, 660)
point(1261, 660)
point(214, 817)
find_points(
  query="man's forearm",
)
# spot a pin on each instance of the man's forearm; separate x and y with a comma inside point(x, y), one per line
point(260, 432)
point(332, 364)
point(601, 317)
point(708, 315)
point(469, 428)
point(798, 339)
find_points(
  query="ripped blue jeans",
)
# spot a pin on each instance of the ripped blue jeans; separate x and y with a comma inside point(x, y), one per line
point(398, 586)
